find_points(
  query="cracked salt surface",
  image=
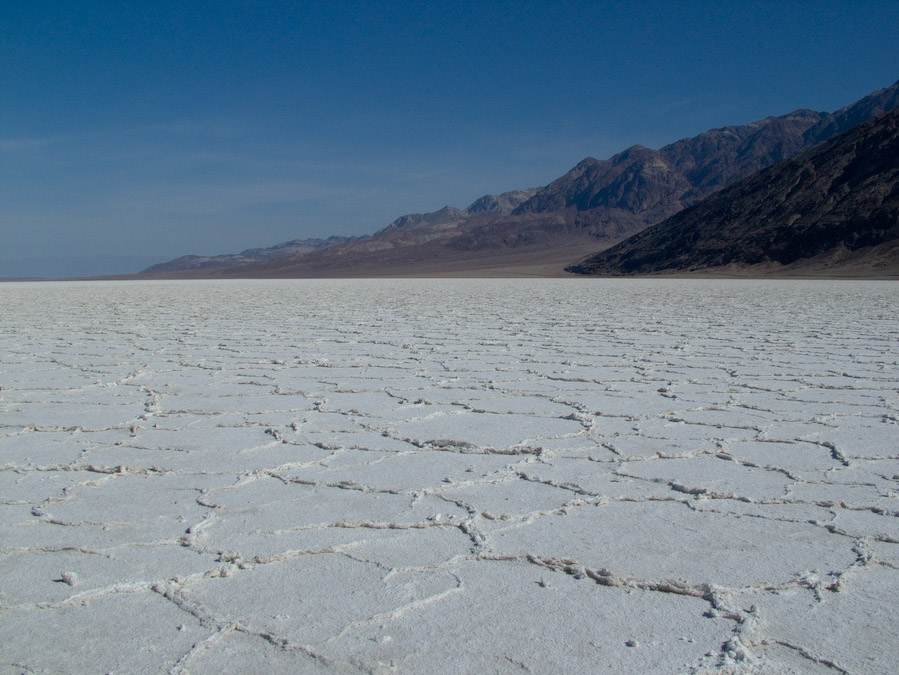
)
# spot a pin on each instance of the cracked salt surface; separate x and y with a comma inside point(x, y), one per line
point(449, 475)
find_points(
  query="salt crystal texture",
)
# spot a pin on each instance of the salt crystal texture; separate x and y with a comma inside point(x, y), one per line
point(418, 476)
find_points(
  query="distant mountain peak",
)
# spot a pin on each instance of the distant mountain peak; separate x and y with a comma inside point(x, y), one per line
point(503, 203)
point(248, 256)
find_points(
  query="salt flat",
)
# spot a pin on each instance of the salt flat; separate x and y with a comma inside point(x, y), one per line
point(449, 476)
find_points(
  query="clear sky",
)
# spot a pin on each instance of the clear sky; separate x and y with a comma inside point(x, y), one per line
point(135, 132)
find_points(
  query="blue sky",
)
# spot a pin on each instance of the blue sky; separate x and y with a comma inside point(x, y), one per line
point(135, 132)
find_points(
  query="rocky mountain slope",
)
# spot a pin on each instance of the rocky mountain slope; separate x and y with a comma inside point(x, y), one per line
point(249, 256)
point(490, 205)
point(654, 184)
point(824, 209)
point(500, 205)
point(594, 206)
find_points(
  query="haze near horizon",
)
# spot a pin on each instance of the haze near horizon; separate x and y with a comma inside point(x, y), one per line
point(134, 134)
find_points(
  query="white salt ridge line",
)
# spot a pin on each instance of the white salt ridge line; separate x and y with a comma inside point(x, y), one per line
point(400, 611)
point(721, 600)
point(84, 597)
point(173, 593)
point(221, 628)
point(118, 470)
point(804, 652)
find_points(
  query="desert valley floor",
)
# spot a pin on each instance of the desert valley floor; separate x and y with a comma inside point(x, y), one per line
point(473, 476)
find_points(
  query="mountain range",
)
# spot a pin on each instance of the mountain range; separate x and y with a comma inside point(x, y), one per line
point(251, 255)
point(594, 206)
point(831, 208)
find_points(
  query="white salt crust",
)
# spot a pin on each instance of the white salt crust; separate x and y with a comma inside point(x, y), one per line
point(469, 476)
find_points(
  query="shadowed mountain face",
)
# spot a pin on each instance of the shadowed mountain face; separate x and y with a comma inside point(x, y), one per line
point(826, 208)
point(595, 205)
